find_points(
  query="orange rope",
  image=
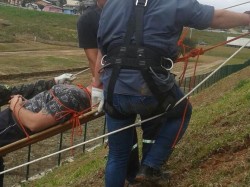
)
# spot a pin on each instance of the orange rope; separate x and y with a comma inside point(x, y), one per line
point(191, 84)
point(182, 37)
point(196, 52)
point(193, 53)
point(74, 119)
point(75, 115)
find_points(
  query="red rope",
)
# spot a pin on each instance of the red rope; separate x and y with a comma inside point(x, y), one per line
point(228, 41)
point(196, 52)
point(75, 115)
point(74, 119)
point(193, 53)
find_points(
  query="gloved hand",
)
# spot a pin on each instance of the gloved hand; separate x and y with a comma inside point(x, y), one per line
point(66, 77)
point(97, 97)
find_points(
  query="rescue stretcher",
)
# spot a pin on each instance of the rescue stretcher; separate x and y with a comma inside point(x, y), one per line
point(87, 117)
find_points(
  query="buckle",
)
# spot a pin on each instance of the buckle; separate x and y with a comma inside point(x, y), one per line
point(167, 63)
point(140, 52)
point(103, 61)
point(141, 2)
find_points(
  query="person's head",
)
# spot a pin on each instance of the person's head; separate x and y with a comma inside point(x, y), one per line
point(101, 3)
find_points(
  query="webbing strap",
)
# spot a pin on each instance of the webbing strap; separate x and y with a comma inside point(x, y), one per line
point(139, 13)
point(132, 25)
point(112, 81)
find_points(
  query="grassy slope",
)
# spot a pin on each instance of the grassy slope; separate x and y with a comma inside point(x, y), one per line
point(54, 33)
point(43, 25)
point(218, 132)
point(214, 151)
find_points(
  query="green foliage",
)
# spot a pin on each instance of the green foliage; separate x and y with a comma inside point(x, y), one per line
point(71, 174)
point(215, 128)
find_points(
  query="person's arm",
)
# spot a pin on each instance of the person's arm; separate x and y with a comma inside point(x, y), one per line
point(27, 90)
point(224, 19)
point(31, 89)
point(98, 66)
point(92, 57)
point(97, 90)
point(35, 122)
point(87, 26)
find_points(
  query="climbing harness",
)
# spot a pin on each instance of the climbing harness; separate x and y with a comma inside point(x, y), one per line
point(138, 57)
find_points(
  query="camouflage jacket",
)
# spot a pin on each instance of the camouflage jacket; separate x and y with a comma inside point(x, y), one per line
point(26, 90)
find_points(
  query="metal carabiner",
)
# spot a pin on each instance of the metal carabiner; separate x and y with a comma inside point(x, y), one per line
point(172, 64)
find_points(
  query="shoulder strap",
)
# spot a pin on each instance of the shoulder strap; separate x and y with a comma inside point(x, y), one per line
point(135, 25)
point(139, 20)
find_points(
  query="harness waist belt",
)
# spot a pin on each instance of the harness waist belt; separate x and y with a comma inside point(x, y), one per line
point(136, 58)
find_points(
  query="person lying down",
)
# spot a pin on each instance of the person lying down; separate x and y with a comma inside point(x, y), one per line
point(46, 109)
point(49, 102)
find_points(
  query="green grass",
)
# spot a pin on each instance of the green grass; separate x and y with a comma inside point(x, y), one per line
point(31, 46)
point(43, 25)
point(26, 64)
point(71, 174)
point(219, 127)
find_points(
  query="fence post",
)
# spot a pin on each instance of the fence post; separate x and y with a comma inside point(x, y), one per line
point(85, 136)
point(60, 147)
point(28, 166)
point(104, 129)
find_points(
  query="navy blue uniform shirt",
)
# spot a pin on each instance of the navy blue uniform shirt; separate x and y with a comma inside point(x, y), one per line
point(163, 24)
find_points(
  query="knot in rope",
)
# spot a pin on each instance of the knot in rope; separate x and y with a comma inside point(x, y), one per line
point(196, 52)
point(74, 115)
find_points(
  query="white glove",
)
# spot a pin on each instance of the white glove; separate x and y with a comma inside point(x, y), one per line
point(97, 97)
point(66, 77)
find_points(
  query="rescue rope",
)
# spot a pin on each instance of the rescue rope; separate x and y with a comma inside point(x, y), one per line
point(129, 126)
point(68, 111)
point(81, 72)
point(195, 52)
point(237, 5)
point(74, 114)
point(222, 64)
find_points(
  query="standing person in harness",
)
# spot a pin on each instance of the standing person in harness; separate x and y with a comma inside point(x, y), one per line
point(138, 43)
point(87, 27)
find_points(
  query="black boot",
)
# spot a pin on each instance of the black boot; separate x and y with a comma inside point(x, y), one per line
point(148, 173)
